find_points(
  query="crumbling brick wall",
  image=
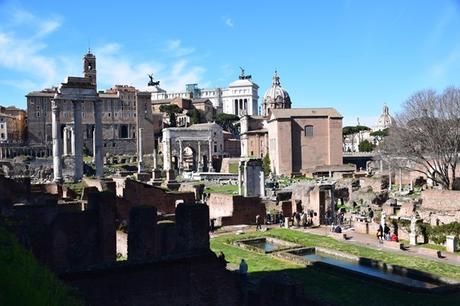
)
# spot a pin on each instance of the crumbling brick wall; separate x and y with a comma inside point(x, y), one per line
point(444, 200)
point(232, 210)
point(137, 193)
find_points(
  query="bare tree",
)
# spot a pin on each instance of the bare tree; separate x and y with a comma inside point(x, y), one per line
point(426, 134)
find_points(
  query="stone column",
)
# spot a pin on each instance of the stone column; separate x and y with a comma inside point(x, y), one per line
point(245, 179)
point(210, 169)
point(98, 139)
point(382, 219)
point(400, 179)
point(167, 154)
point(155, 163)
point(78, 140)
point(180, 156)
point(240, 177)
point(56, 135)
point(72, 141)
point(65, 138)
point(93, 160)
point(413, 231)
point(389, 178)
point(200, 162)
point(262, 184)
point(140, 151)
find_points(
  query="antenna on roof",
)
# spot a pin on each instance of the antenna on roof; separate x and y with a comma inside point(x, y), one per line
point(89, 45)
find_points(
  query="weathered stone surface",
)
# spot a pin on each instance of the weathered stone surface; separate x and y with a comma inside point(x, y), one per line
point(142, 233)
point(192, 227)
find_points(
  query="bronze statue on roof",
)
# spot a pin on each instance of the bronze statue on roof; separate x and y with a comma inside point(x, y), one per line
point(152, 82)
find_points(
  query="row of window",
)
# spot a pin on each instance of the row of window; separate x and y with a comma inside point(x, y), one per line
point(69, 115)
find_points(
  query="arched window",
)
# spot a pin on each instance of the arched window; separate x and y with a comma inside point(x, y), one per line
point(308, 130)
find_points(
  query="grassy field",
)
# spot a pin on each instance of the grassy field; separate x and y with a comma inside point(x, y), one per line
point(226, 189)
point(25, 282)
point(77, 187)
point(341, 289)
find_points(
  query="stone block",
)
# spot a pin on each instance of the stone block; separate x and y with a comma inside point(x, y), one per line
point(451, 244)
point(192, 228)
point(141, 233)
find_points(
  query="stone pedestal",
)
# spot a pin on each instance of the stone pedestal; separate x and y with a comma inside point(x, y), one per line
point(286, 222)
point(143, 176)
point(413, 239)
point(156, 174)
point(170, 175)
point(156, 178)
point(451, 244)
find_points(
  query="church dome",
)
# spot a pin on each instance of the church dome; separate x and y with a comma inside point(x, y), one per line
point(276, 96)
point(385, 119)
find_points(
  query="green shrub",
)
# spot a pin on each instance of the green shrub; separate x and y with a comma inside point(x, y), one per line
point(438, 233)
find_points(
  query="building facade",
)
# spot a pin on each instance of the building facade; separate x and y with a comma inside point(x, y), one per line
point(303, 139)
point(12, 125)
point(241, 97)
point(351, 142)
point(124, 110)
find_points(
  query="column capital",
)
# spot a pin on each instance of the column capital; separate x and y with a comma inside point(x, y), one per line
point(54, 105)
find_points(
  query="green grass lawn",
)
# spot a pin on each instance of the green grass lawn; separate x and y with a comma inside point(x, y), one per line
point(233, 168)
point(341, 289)
point(23, 281)
point(77, 187)
point(226, 189)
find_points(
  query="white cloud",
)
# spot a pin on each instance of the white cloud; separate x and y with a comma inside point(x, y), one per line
point(229, 22)
point(23, 53)
point(175, 48)
point(115, 67)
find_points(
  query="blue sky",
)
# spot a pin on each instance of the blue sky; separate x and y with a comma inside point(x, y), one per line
point(351, 55)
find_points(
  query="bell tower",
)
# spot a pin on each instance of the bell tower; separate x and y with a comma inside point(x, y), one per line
point(89, 67)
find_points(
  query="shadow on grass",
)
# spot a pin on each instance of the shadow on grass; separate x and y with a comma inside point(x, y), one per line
point(317, 286)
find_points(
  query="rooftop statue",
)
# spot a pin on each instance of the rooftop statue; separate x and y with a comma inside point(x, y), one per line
point(151, 82)
point(243, 76)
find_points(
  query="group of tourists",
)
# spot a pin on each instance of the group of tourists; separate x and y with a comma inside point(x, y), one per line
point(384, 233)
point(270, 218)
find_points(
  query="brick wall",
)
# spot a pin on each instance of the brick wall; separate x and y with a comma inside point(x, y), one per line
point(137, 193)
point(234, 210)
point(445, 200)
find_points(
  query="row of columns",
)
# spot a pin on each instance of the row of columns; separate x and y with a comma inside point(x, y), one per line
point(200, 161)
point(10, 152)
point(76, 135)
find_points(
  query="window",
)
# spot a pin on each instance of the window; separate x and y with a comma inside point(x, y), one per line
point(2, 136)
point(308, 131)
point(215, 148)
point(1, 126)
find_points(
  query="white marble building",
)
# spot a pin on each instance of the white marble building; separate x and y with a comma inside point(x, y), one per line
point(240, 97)
point(351, 142)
